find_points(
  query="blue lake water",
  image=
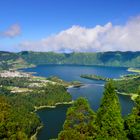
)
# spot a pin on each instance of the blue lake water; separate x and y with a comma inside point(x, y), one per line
point(53, 119)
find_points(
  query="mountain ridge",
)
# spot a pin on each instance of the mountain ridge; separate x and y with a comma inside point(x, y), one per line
point(111, 58)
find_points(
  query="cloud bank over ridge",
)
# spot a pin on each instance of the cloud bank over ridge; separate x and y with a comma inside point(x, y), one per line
point(99, 38)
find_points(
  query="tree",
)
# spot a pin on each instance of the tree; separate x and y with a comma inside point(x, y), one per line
point(132, 123)
point(109, 120)
point(79, 122)
point(4, 115)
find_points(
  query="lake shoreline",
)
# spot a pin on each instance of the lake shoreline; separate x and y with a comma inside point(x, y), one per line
point(53, 106)
point(136, 70)
point(34, 136)
point(132, 96)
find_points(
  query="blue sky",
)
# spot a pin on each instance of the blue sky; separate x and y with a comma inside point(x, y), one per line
point(39, 19)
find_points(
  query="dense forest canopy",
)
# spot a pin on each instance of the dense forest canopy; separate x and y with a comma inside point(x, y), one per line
point(18, 121)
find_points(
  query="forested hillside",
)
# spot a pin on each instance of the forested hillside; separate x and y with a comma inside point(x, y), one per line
point(29, 59)
point(126, 59)
point(19, 98)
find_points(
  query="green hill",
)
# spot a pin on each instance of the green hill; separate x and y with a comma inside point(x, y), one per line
point(29, 58)
point(124, 59)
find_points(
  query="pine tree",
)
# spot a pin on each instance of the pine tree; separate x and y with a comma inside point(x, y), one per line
point(79, 122)
point(109, 120)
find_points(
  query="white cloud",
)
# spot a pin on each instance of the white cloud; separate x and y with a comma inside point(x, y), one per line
point(12, 31)
point(99, 38)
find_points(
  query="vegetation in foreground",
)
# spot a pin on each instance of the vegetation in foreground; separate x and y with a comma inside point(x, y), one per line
point(107, 124)
point(18, 98)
